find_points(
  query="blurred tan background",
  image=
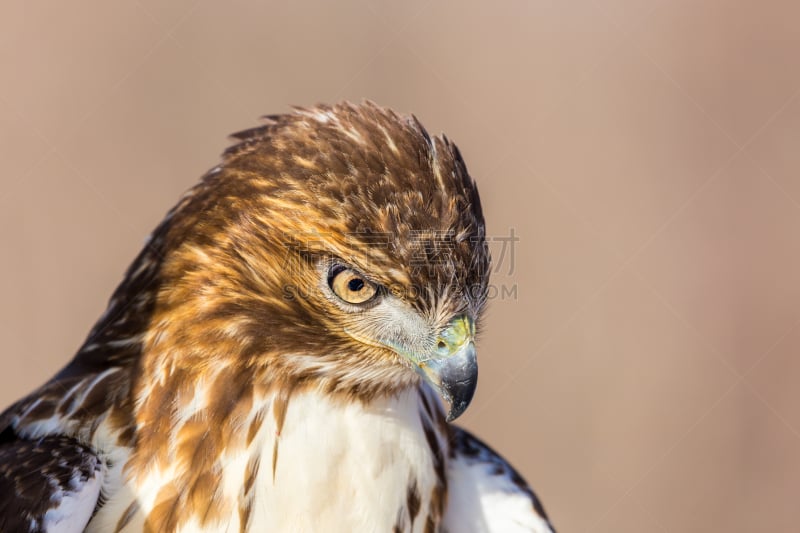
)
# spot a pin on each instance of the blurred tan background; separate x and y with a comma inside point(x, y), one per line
point(645, 154)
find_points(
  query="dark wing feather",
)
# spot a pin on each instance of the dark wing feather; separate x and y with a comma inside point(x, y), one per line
point(48, 484)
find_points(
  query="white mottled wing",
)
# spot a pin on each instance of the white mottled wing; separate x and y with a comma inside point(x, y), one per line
point(486, 495)
point(47, 485)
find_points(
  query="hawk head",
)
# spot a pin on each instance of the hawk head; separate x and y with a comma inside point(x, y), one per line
point(335, 247)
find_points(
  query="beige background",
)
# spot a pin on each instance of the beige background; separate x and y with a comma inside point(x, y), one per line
point(644, 152)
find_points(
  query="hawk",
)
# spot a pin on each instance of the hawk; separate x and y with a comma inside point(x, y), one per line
point(285, 353)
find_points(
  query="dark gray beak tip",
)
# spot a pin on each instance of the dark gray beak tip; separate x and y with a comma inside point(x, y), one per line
point(460, 397)
point(459, 381)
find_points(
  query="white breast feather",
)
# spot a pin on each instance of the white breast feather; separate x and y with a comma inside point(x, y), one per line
point(342, 467)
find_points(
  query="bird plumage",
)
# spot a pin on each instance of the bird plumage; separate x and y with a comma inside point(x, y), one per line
point(234, 384)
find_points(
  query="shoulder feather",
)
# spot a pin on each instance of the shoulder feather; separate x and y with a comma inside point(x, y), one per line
point(486, 494)
point(48, 485)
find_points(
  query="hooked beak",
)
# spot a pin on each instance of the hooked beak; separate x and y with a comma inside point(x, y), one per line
point(452, 367)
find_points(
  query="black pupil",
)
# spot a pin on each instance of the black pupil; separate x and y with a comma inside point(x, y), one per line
point(355, 284)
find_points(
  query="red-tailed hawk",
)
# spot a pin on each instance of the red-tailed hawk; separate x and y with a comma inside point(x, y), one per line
point(275, 357)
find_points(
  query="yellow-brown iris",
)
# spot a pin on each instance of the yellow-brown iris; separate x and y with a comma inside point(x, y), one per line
point(352, 287)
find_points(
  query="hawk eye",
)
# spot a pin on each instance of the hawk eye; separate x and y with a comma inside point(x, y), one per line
point(351, 286)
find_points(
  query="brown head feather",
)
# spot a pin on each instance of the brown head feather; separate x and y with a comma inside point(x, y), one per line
point(237, 258)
